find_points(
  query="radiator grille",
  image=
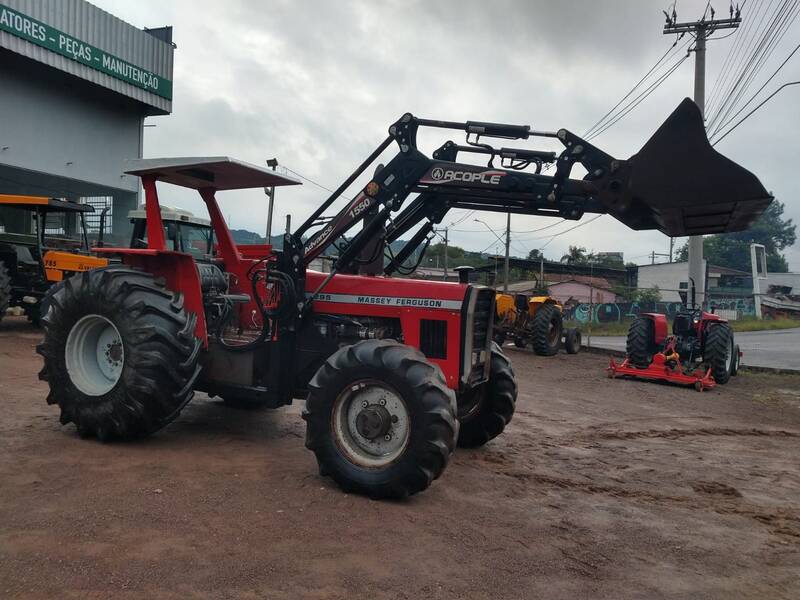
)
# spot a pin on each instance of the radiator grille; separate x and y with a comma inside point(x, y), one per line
point(484, 305)
point(433, 338)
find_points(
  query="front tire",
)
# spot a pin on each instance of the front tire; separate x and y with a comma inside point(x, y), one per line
point(120, 354)
point(380, 419)
point(718, 352)
point(572, 341)
point(484, 411)
point(547, 326)
point(736, 359)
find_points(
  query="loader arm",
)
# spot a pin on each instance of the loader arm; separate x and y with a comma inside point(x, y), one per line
point(676, 184)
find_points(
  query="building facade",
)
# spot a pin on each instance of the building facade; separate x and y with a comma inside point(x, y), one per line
point(77, 84)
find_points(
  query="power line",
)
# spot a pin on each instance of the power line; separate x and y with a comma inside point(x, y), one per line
point(765, 41)
point(560, 233)
point(762, 103)
point(634, 88)
point(640, 98)
point(526, 231)
point(778, 28)
point(753, 97)
point(734, 53)
point(301, 176)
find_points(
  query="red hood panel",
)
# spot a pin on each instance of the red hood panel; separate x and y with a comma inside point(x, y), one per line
point(387, 291)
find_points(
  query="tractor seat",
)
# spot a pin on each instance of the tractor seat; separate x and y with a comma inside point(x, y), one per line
point(25, 257)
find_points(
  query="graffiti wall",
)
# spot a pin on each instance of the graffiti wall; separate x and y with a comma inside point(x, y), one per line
point(625, 311)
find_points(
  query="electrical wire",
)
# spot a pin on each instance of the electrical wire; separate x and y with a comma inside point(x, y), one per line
point(762, 103)
point(765, 41)
point(753, 97)
point(606, 116)
point(639, 99)
point(760, 57)
point(311, 181)
point(734, 53)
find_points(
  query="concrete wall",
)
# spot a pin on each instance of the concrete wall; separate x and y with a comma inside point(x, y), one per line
point(668, 277)
point(580, 292)
point(55, 125)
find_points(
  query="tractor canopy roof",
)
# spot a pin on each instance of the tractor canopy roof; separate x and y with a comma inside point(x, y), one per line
point(169, 213)
point(215, 172)
point(50, 204)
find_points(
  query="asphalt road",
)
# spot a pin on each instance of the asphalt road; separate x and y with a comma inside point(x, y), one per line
point(779, 348)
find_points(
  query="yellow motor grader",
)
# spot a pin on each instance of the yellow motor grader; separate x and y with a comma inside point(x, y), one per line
point(535, 321)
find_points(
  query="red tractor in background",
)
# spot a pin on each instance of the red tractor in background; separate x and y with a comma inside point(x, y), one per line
point(394, 372)
point(700, 351)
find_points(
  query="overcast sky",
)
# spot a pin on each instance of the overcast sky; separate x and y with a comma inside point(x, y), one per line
point(316, 84)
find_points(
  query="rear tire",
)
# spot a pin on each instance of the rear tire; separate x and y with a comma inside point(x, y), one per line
point(380, 419)
point(735, 363)
point(120, 354)
point(547, 326)
point(572, 341)
point(5, 290)
point(718, 352)
point(640, 346)
point(485, 411)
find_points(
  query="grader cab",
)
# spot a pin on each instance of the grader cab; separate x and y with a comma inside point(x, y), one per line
point(42, 241)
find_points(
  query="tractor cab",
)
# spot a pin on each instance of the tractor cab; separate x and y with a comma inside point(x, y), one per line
point(42, 241)
point(183, 231)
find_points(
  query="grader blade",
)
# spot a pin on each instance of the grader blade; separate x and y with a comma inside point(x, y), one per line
point(677, 183)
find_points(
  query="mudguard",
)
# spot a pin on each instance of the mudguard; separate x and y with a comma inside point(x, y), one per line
point(660, 326)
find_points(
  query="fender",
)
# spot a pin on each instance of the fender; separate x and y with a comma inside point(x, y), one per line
point(660, 326)
point(179, 272)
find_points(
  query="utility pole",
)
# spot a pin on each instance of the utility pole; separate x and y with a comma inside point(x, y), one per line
point(508, 249)
point(671, 246)
point(653, 255)
point(700, 30)
point(446, 245)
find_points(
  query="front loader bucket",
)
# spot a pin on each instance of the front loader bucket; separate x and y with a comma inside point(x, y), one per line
point(677, 183)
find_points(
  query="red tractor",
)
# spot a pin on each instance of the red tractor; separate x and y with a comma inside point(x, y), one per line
point(700, 351)
point(394, 372)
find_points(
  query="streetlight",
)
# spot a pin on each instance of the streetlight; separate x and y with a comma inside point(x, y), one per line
point(270, 192)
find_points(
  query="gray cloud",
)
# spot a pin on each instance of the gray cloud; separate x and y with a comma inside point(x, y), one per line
point(317, 83)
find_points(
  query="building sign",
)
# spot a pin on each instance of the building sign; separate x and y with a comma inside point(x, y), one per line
point(38, 33)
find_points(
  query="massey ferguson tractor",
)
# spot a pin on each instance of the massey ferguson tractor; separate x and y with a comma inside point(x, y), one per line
point(394, 372)
point(700, 351)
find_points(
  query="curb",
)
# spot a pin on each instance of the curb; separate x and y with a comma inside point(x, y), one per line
point(742, 366)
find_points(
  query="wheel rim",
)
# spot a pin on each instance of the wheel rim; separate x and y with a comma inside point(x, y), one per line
point(470, 402)
point(94, 355)
point(729, 357)
point(553, 333)
point(371, 424)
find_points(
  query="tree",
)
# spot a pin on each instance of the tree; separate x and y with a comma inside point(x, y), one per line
point(628, 294)
point(535, 254)
point(577, 256)
point(648, 295)
point(732, 250)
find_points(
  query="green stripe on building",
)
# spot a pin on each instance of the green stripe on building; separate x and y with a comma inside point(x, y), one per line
point(43, 35)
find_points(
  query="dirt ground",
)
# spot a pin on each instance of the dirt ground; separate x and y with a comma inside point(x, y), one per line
point(598, 488)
